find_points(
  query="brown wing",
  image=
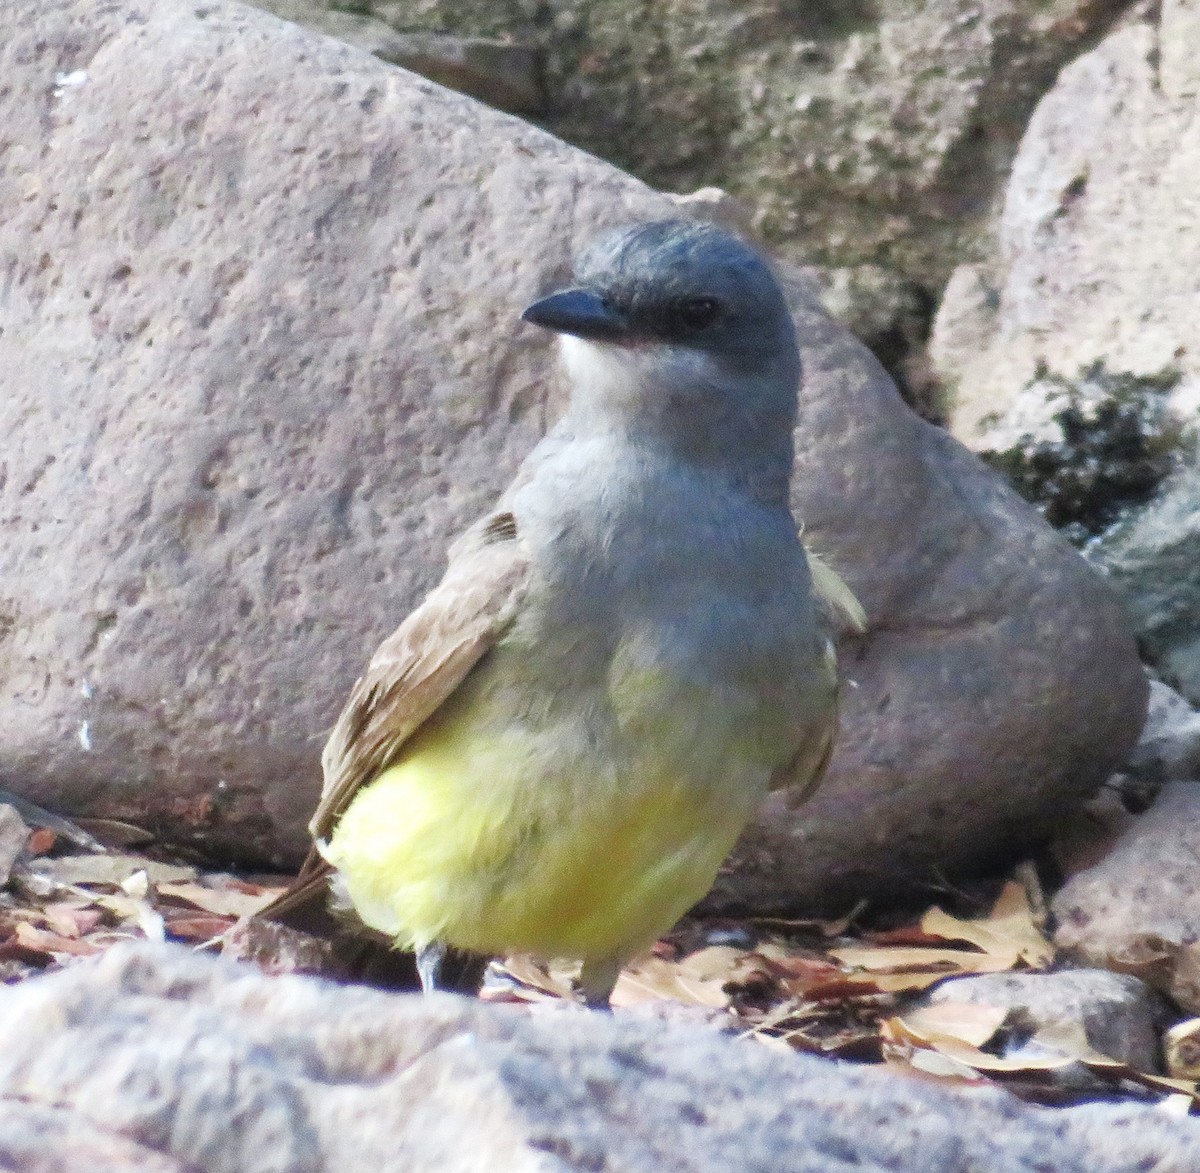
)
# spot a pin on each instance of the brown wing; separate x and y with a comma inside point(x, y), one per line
point(413, 672)
point(424, 661)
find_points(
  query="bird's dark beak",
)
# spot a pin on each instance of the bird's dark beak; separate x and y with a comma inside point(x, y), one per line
point(578, 312)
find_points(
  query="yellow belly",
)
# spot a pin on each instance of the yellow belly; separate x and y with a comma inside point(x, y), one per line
point(494, 836)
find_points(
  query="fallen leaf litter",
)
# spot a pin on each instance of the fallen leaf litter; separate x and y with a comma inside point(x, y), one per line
point(819, 986)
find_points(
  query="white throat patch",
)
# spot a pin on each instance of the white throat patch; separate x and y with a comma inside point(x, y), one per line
point(606, 373)
point(598, 371)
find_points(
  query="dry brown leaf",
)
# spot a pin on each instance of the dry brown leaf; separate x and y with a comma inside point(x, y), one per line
point(864, 985)
point(964, 1022)
point(936, 963)
point(826, 928)
point(220, 901)
point(715, 963)
point(858, 985)
point(797, 971)
point(1008, 934)
point(41, 841)
point(124, 908)
point(108, 869)
point(546, 981)
point(12, 915)
point(789, 1011)
point(653, 978)
point(859, 1044)
point(959, 1039)
point(13, 950)
point(905, 935)
point(1163, 1083)
point(113, 833)
point(35, 938)
point(201, 926)
point(930, 1062)
point(1050, 1049)
point(71, 920)
point(897, 1033)
point(131, 910)
point(106, 938)
point(1071, 1038)
point(1002, 1064)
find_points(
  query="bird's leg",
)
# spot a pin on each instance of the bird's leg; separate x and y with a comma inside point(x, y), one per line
point(596, 982)
point(430, 959)
point(442, 968)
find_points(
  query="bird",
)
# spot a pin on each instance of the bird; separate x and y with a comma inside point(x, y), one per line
point(557, 749)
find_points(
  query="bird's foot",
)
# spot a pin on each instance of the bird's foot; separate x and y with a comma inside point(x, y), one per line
point(596, 982)
point(441, 968)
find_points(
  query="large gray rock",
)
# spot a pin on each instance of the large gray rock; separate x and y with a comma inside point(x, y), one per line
point(937, 671)
point(1120, 1014)
point(1169, 747)
point(261, 359)
point(1074, 352)
point(219, 1068)
point(1096, 246)
point(1153, 556)
point(44, 1138)
point(1138, 909)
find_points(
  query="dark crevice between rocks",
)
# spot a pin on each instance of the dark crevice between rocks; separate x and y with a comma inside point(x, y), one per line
point(892, 316)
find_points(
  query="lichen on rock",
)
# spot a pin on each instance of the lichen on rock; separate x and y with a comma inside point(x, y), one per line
point(1086, 449)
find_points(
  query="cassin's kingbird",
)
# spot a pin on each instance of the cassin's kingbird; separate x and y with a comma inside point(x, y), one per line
point(556, 750)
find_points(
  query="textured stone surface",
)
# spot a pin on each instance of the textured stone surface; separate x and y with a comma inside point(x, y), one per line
point(1153, 556)
point(1138, 909)
point(268, 366)
point(890, 313)
point(1169, 747)
point(1119, 1013)
point(1179, 28)
point(219, 1068)
point(1074, 352)
point(861, 132)
point(1087, 451)
point(873, 138)
point(13, 836)
point(1097, 245)
point(44, 1138)
point(262, 359)
point(500, 73)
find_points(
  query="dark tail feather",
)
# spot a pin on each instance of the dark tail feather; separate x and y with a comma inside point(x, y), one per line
point(304, 904)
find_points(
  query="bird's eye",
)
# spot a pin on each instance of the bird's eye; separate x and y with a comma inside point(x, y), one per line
point(697, 313)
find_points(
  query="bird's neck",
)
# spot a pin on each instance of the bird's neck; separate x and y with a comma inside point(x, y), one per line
point(742, 436)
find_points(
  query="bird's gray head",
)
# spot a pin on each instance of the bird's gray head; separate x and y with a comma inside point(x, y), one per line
point(679, 330)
